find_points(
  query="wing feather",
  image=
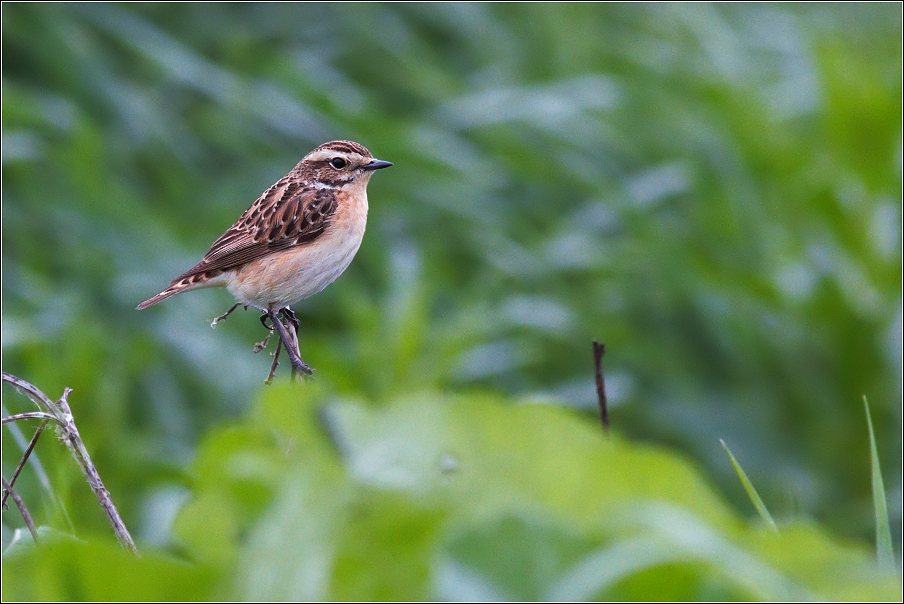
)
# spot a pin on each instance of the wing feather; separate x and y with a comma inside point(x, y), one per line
point(286, 215)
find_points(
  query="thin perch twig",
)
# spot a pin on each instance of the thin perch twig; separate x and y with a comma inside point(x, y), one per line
point(38, 468)
point(22, 510)
point(291, 322)
point(598, 351)
point(275, 363)
point(290, 341)
point(68, 434)
point(262, 344)
point(292, 332)
point(25, 456)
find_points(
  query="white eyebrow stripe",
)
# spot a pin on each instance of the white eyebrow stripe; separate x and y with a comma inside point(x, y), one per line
point(328, 154)
point(321, 155)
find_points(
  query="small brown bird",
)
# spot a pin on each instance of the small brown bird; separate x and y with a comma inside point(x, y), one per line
point(296, 239)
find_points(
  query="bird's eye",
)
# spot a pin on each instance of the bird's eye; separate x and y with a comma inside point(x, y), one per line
point(338, 163)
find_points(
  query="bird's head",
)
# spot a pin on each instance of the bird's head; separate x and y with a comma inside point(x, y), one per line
point(338, 163)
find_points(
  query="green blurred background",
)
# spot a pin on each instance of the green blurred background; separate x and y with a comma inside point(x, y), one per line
point(712, 191)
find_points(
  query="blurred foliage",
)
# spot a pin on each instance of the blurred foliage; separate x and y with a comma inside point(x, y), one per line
point(714, 191)
point(459, 499)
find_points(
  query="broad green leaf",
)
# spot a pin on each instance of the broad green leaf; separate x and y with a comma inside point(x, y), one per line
point(829, 567)
point(468, 497)
point(22, 540)
point(100, 570)
point(485, 455)
point(386, 550)
point(291, 552)
point(537, 505)
point(515, 557)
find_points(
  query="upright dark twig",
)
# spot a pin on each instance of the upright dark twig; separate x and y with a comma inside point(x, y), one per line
point(598, 351)
point(60, 413)
point(22, 509)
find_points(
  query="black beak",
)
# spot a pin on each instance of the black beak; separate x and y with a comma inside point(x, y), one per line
point(377, 164)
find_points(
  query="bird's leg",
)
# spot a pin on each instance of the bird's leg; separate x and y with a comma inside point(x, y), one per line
point(291, 344)
point(263, 343)
point(288, 314)
point(226, 314)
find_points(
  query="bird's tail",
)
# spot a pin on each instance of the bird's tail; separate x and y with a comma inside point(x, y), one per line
point(169, 291)
point(193, 279)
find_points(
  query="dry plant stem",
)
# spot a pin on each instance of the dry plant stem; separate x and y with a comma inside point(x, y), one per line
point(38, 468)
point(22, 510)
point(262, 344)
point(275, 364)
point(291, 344)
point(74, 442)
point(31, 415)
point(37, 397)
point(291, 325)
point(284, 323)
point(292, 332)
point(68, 433)
point(598, 351)
point(25, 456)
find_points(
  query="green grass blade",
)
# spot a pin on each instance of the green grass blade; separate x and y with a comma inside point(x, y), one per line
point(751, 491)
point(884, 550)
